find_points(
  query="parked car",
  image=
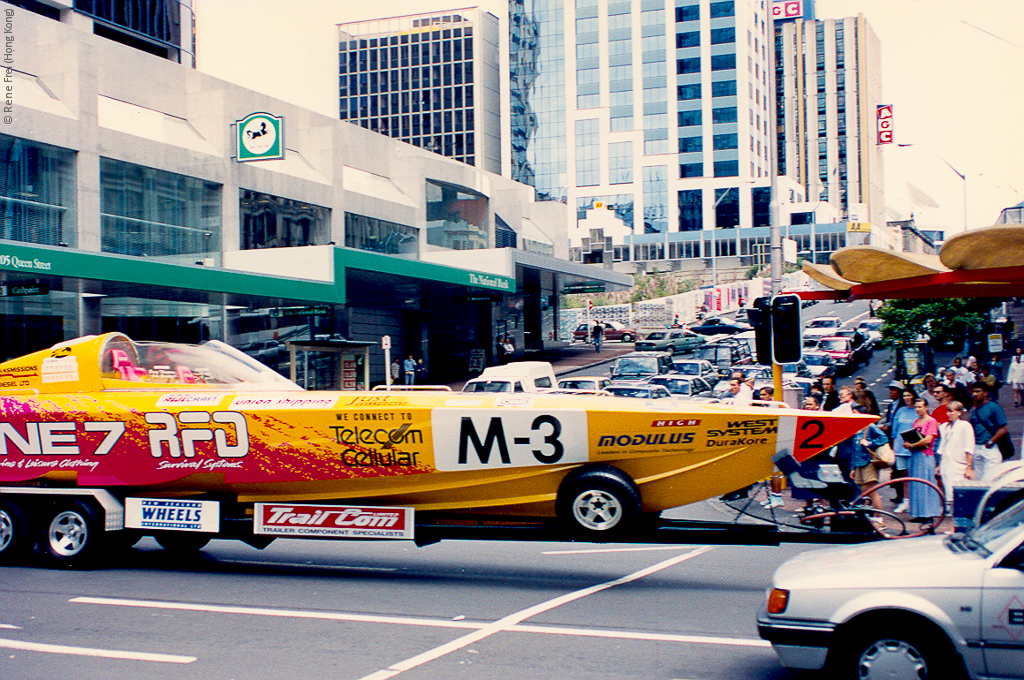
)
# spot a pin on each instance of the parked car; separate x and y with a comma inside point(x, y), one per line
point(683, 385)
point(847, 355)
point(819, 364)
point(930, 607)
point(613, 331)
point(719, 325)
point(675, 340)
point(267, 352)
point(699, 367)
point(637, 366)
point(584, 382)
point(823, 326)
point(639, 391)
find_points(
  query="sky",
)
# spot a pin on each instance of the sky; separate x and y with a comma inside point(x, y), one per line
point(953, 70)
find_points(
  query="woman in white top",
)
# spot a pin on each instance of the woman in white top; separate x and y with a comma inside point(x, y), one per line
point(956, 449)
point(1015, 377)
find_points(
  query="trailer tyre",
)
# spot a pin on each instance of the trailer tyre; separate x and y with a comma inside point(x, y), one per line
point(182, 543)
point(73, 534)
point(598, 502)
point(15, 537)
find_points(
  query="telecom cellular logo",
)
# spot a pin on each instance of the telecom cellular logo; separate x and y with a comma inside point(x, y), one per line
point(260, 137)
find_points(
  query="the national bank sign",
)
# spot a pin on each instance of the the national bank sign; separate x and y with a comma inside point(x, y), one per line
point(260, 138)
point(484, 281)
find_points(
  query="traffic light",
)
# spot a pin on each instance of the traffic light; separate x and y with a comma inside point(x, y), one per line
point(787, 331)
point(760, 318)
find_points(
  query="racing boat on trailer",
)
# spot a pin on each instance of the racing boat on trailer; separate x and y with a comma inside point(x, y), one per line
point(178, 421)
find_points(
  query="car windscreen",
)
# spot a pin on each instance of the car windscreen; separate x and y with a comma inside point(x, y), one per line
point(636, 366)
point(687, 369)
point(488, 386)
point(994, 533)
point(834, 345)
point(657, 335)
point(817, 359)
point(822, 323)
point(629, 391)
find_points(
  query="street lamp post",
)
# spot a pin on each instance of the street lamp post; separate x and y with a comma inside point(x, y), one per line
point(959, 174)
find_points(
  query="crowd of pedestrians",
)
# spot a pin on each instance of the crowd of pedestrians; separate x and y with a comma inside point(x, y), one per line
point(950, 431)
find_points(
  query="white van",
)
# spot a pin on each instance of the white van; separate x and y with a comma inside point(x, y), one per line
point(519, 376)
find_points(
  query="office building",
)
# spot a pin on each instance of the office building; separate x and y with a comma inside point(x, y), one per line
point(431, 80)
point(140, 195)
point(828, 92)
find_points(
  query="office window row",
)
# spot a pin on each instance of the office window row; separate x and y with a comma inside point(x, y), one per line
point(361, 59)
point(352, 108)
point(37, 193)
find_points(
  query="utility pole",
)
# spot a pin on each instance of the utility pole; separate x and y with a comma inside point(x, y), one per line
point(773, 204)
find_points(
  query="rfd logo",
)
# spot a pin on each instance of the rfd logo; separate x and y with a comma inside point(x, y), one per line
point(182, 441)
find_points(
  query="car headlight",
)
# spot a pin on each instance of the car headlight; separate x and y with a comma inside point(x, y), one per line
point(777, 600)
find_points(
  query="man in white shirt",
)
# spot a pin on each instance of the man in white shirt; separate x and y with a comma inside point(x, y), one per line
point(742, 395)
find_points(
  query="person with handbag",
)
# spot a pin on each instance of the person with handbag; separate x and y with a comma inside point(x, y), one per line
point(925, 504)
point(901, 416)
point(992, 443)
point(957, 450)
point(869, 443)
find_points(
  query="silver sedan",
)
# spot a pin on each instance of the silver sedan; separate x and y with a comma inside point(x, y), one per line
point(931, 607)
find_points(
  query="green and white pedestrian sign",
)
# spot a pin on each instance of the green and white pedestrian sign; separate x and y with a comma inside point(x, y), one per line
point(260, 137)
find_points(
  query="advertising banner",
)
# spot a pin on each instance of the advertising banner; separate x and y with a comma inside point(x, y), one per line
point(884, 118)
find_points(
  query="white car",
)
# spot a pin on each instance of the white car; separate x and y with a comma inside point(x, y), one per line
point(821, 327)
point(872, 329)
point(930, 607)
point(584, 383)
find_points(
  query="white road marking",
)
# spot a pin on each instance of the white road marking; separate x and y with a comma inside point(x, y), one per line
point(9, 626)
point(514, 619)
point(89, 651)
point(284, 613)
point(609, 550)
point(655, 637)
point(307, 565)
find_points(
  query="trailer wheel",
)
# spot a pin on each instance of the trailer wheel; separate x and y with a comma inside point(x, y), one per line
point(182, 543)
point(73, 534)
point(598, 502)
point(15, 538)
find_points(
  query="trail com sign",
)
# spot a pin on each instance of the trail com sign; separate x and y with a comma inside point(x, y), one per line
point(260, 137)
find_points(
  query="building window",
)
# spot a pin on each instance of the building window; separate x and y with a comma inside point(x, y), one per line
point(275, 222)
point(688, 65)
point(691, 144)
point(725, 114)
point(620, 163)
point(726, 141)
point(760, 199)
point(723, 9)
point(152, 213)
point(588, 163)
point(723, 62)
point(691, 170)
point(721, 36)
point(723, 88)
point(687, 13)
point(688, 118)
point(457, 218)
point(381, 236)
point(727, 168)
point(37, 193)
point(691, 210)
point(688, 92)
point(655, 199)
point(688, 39)
point(727, 209)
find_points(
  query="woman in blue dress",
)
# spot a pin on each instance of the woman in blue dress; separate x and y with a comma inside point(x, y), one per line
point(925, 503)
point(902, 419)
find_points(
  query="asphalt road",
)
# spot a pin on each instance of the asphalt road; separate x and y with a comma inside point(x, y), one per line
point(360, 610)
point(319, 609)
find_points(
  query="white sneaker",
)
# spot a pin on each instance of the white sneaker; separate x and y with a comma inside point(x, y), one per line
point(902, 507)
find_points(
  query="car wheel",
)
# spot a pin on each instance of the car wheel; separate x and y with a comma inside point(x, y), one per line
point(73, 534)
point(15, 537)
point(626, 337)
point(182, 542)
point(908, 650)
point(598, 502)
